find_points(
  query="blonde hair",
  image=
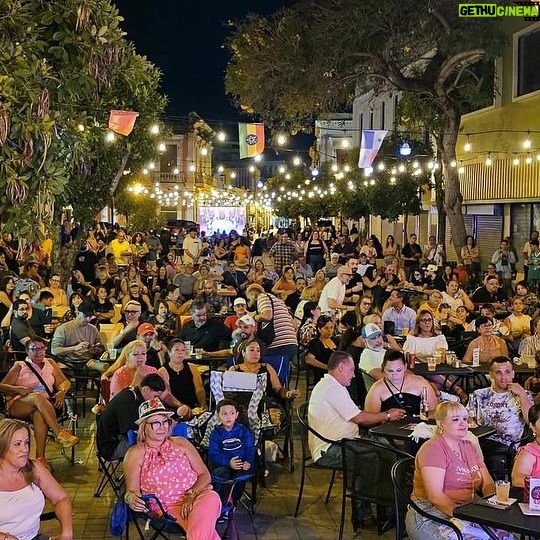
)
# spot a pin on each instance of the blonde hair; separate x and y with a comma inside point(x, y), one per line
point(310, 294)
point(445, 409)
point(8, 428)
point(128, 349)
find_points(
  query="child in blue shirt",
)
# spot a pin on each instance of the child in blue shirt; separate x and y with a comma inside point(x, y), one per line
point(231, 450)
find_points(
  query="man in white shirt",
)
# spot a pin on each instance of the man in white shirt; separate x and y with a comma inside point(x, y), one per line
point(333, 293)
point(363, 264)
point(192, 246)
point(373, 354)
point(333, 414)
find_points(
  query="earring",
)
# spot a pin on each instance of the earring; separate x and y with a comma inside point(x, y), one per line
point(441, 429)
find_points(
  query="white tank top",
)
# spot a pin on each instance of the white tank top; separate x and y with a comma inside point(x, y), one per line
point(22, 524)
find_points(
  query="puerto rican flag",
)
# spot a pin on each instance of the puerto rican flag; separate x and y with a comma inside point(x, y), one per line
point(372, 140)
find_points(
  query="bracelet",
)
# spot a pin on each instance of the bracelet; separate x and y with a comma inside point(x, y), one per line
point(387, 416)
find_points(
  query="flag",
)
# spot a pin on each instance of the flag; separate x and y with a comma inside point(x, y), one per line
point(251, 139)
point(122, 121)
point(371, 143)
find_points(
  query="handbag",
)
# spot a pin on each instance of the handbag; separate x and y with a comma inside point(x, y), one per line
point(267, 332)
point(44, 384)
point(118, 518)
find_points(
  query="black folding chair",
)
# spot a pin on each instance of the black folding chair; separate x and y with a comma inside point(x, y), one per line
point(366, 477)
point(307, 461)
point(402, 474)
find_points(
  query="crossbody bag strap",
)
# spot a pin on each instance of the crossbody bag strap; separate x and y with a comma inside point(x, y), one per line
point(39, 377)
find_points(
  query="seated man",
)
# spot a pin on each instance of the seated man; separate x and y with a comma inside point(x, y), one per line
point(77, 341)
point(490, 293)
point(240, 309)
point(373, 355)
point(504, 405)
point(132, 315)
point(202, 332)
point(333, 414)
point(120, 414)
point(246, 328)
point(401, 315)
point(21, 332)
point(233, 277)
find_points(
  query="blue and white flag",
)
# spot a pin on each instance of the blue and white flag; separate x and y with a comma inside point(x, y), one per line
point(372, 140)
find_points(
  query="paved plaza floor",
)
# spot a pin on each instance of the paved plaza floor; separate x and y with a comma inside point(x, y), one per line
point(273, 513)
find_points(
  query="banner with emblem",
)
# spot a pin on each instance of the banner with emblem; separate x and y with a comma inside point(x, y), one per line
point(251, 140)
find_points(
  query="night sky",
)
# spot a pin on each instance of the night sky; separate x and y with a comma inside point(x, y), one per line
point(184, 39)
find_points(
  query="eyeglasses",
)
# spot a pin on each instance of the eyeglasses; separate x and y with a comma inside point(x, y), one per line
point(426, 320)
point(366, 302)
point(37, 348)
point(131, 312)
point(156, 424)
point(55, 280)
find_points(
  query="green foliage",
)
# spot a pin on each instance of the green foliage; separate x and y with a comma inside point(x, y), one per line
point(140, 211)
point(64, 65)
point(353, 195)
point(314, 57)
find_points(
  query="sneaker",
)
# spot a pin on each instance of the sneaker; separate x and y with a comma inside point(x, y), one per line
point(66, 439)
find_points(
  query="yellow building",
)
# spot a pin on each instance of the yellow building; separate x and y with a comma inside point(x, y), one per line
point(498, 151)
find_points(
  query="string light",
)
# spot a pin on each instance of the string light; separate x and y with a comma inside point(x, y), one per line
point(258, 158)
point(381, 166)
point(335, 167)
point(515, 162)
point(467, 146)
point(221, 136)
point(528, 160)
point(297, 161)
point(204, 151)
point(110, 137)
point(281, 169)
point(489, 162)
point(154, 129)
point(345, 143)
point(281, 139)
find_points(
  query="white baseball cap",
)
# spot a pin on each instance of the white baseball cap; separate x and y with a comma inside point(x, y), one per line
point(247, 319)
point(239, 301)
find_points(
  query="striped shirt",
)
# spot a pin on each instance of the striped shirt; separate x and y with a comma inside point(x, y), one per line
point(283, 320)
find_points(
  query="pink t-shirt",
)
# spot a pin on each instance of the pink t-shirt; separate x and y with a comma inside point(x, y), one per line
point(167, 473)
point(123, 377)
point(534, 450)
point(463, 476)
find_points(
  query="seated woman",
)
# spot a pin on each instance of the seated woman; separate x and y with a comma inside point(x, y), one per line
point(319, 280)
point(132, 275)
point(488, 345)
point(449, 469)
point(24, 485)
point(163, 320)
point(75, 300)
point(308, 326)
point(133, 368)
point(170, 468)
point(424, 340)
point(28, 399)
point(355, 319)
point(183, 380)
point(285, 285)
point(399, 388)
point(250, 354)
point(309, 294)
point(374, 285)
point(527, 462)
point(102, 305)
point(321, 347)
point(519, 325)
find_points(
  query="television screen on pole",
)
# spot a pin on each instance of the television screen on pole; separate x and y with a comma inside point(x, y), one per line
point(222, 218)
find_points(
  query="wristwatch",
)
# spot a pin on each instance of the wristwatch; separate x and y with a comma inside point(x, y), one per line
point(387, 416)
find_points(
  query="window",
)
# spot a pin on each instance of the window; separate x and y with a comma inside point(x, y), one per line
point(168, 160)
point(528, 60)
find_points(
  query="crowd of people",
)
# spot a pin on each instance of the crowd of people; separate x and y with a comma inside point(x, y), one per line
point(350, 307)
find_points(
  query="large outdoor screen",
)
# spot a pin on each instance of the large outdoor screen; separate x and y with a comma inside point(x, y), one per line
point(222, 218)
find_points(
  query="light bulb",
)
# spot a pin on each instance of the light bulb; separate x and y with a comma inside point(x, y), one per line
point(297, 161)
point(281, 170)
point(110, 136)
point(154, 129)
point(204, 151)
point(380, 166)
point(527, 144)
point(488, 162)
point(345, 143)
point(221, 136)
point(335, 167)
point(281, 139)
point(528, 160)
point(515, 162)
point(467, 146)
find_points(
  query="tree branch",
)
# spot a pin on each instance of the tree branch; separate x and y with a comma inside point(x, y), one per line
point(461, 60)
point(120, 171)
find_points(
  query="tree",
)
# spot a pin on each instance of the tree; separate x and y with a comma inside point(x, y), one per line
point(63, 67)
point(313, 58)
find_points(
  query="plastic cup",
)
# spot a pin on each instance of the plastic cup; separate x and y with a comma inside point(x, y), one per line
point(112, 352)
point(404, 332)
point(198, 354)
point(502, 490)
point(431, 363)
